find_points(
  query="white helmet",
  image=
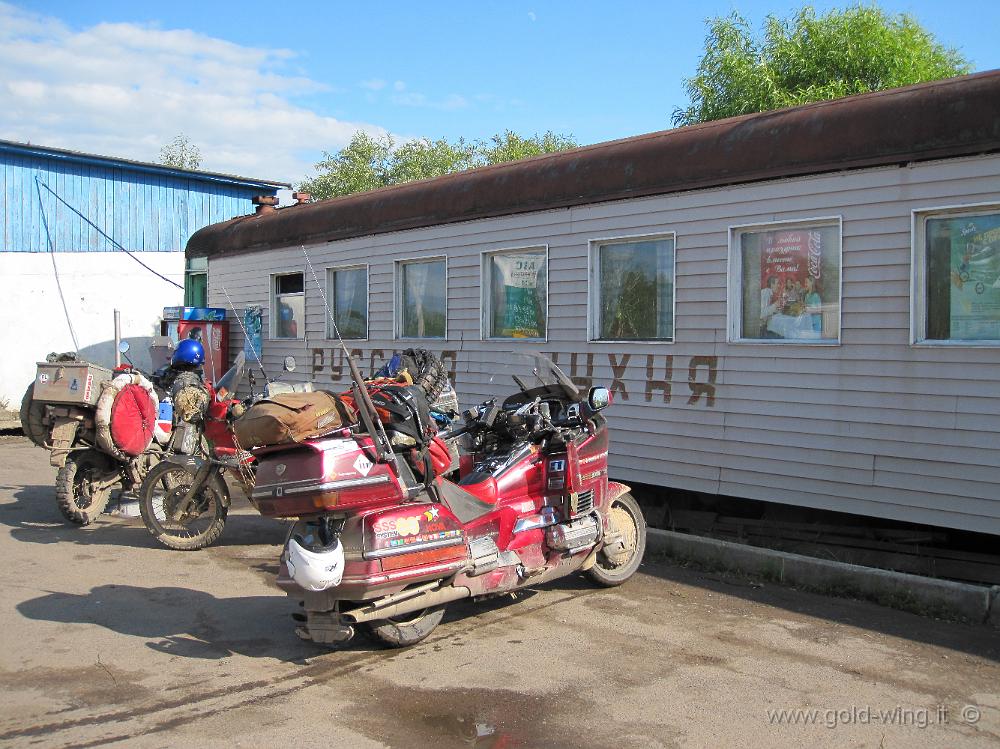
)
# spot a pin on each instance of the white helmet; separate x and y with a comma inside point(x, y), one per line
point(316, 570)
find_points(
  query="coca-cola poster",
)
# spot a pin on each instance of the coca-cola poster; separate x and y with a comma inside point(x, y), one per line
point(788, 260)
point(797, 295)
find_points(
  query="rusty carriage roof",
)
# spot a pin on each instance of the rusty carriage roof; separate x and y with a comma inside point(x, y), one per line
point(943, 119)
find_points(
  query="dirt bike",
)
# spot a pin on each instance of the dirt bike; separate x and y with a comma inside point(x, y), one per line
point(184, 500)
point(384, 540)
point(101, 428)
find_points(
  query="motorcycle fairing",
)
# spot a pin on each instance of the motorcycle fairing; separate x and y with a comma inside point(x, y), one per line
point(465, 505)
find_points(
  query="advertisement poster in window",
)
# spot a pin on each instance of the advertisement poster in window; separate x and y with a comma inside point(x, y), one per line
point(252, 317)
point(975, 277)
point(791, 284)
point(519, 295)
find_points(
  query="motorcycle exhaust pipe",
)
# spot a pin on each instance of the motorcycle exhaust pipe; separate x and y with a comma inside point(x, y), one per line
point(422, 601)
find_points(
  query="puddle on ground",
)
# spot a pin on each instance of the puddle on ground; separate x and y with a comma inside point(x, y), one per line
point(483, 718)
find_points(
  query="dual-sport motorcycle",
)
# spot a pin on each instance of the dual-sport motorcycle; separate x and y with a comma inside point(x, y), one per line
point(184, 499)
point(101, 427)
point(383, 539)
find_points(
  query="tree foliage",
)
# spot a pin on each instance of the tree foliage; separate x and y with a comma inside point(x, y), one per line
point(810, 57)
point(181, 153)
point(368, 162)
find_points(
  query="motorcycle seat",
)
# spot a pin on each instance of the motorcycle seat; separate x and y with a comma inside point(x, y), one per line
point(465, 505)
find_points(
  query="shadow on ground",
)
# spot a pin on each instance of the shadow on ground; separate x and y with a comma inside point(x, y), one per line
point(180, 621)
point(34, 518)
point(975, 639)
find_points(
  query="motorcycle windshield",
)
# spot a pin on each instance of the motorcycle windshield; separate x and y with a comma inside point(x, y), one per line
point(230, 381)
point(531, 370)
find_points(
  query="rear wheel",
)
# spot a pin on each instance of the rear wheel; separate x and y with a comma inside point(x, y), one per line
point(617, 562)
point(84, 484)
point(406, 629)
point(174, 522)
point(32, 413)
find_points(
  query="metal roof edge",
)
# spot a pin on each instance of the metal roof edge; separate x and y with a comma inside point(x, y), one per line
point(941, 119)
point(62, 154)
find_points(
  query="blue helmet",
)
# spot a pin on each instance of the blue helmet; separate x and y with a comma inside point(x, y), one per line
point(189, 352)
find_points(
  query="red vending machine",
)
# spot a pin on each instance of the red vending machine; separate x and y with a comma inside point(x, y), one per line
point(209, 326)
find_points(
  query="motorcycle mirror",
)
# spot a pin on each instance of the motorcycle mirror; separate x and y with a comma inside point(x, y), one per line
point(123, 347)
point(598, 398)
point(289, 364)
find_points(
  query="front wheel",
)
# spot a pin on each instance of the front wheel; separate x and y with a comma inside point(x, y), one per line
point(177, 523)
point(617, 562)
point(407, 629)
point(84, 484)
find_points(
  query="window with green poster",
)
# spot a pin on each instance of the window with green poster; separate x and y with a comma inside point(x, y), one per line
point(515, 293)
point(956, 297)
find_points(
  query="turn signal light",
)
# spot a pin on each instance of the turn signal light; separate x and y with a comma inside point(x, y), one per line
point(326, 500)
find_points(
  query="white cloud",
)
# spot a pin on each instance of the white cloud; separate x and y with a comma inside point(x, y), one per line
point(375, 84)
point(532, 16)
point(124, 90)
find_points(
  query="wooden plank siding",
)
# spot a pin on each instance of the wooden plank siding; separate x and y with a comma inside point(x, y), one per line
point(874, 425)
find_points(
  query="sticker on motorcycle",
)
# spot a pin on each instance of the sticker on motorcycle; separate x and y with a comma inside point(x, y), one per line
point(362, 465)
point(557, 465)
point(43, 378)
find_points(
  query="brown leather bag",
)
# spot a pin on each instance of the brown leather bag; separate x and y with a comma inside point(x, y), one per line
point(291, 417)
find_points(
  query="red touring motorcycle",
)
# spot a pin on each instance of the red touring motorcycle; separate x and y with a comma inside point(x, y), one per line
point(383, 541)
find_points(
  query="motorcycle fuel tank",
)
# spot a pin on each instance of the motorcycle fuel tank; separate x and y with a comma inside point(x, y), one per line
point(322, 476)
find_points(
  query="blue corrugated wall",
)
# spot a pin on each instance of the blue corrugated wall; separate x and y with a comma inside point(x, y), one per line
point(143, 209)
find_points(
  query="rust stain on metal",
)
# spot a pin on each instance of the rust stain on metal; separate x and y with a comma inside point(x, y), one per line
point(943, 119)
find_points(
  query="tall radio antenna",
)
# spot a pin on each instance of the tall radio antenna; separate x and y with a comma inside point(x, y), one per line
point(376, 428)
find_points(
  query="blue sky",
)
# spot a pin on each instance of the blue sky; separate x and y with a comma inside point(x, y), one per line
point(264, 88)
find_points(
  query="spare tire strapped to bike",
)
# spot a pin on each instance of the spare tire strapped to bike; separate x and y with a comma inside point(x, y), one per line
point(126, 416)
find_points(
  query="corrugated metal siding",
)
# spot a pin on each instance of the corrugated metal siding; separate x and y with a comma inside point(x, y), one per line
point(872, 426)
point(142, 211)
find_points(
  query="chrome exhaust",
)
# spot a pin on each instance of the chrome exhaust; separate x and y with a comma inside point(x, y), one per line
point(375, 611)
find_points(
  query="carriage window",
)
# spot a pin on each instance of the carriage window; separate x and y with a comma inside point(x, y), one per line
point(957, 263)
point(422, 298)
point(787, 281)
point(288, 306)
point(515, 298)
point(632, 288)
point(347, 294)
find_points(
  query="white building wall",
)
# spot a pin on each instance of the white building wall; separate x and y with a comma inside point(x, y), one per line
point(33, 321)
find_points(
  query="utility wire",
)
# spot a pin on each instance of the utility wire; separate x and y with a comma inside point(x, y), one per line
point(101, 232)
point(55, 270)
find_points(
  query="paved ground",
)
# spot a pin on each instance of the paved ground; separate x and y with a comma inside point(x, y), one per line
point(106, 638)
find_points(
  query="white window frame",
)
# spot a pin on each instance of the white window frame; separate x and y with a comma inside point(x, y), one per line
point(485, 285)
point(272, 307)
point(918, 275)
point(397, 296)
point(331, 297)
point(734, 293)
point(594, 287)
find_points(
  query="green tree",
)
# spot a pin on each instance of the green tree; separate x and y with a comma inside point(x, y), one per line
point(509, 146)
point(810, 57)
point(181, 153)
point(368, 162)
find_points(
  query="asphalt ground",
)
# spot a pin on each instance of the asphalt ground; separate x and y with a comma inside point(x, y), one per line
point(108, 639)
